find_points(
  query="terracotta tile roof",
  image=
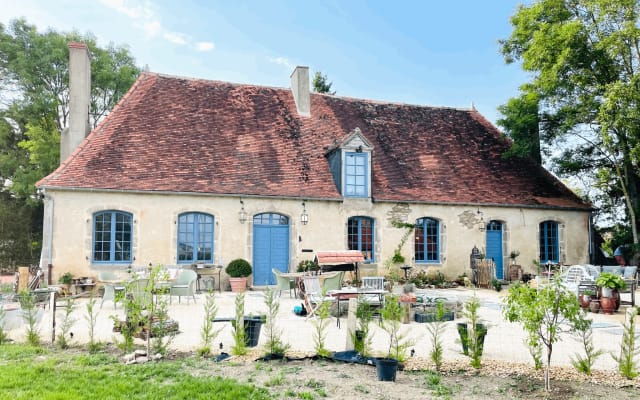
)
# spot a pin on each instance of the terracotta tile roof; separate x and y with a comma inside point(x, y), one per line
point(188, 135)
point(339, 257)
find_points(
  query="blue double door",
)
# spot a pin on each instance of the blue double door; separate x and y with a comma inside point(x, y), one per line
point(494, 246)
point(270, 247)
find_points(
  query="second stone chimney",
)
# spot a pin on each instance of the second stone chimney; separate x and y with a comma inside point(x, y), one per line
point(300, 90)
point(79, 99)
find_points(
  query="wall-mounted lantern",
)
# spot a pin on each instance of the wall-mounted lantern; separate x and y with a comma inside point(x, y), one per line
point(304, 217)
point(242, 214)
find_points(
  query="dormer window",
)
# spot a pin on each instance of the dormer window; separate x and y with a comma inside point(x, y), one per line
point(350, 163)
point(356, 174)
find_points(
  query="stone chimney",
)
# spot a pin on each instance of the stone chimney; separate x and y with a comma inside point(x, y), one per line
point(79, 99)
point(300, 90)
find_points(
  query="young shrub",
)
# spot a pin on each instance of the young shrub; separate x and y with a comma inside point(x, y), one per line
point(474, 337)
point(92, 317)
point(207, 333)
point(320, 324)
point(161, 330)
point(66, 324)
point(391, 316)
point(274, 345)
point(627, 363)
point(361, 337)
point(30, 317)
point(436, 332)
point(238, 268)
point(546, 313)
point(584, 333)
point(239, 336)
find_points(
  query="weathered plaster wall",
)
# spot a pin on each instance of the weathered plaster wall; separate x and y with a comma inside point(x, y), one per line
point(155, 229)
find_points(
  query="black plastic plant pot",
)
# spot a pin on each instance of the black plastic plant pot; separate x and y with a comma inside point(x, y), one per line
point(386, 368)
point(359, 341)
point(464, 336)
point(252, 327)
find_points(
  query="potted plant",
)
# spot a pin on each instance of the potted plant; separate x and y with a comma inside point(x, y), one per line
point(307, 266)
point(610, 284)
point(238, 271)
point(472, 332)
point(65, 281)
point(391, 316)
point(585, 298)
point(513, 256)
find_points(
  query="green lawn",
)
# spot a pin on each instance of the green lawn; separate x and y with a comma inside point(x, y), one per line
point(36, 373)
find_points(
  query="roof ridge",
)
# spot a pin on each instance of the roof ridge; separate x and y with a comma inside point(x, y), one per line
point(346, 98)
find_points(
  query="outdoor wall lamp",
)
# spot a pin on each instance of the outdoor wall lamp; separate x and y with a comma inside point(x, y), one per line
point(242, 214)
point(304, 217)
point(482, 226)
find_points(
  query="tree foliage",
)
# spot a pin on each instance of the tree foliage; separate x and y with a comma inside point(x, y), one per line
point(321, 84)
point(34, 106)
point(544, 314)
point(583, 58)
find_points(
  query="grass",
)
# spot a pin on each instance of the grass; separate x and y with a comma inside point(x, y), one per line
point(29, 372)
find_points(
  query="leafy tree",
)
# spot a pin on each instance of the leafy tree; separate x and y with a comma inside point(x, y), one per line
point(321, 85)
point(34, 110)
point(583, 59)
point(544, 314)
point(34, 89)
point(521, 124)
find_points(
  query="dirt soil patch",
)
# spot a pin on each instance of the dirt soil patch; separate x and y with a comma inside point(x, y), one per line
point(321, 378)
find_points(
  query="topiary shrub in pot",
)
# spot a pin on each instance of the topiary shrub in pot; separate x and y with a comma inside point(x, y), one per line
point(238, 271)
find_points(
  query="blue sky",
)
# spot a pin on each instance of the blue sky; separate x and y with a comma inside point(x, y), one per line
point(430, 52)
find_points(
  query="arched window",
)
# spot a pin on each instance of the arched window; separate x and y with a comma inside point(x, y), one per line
point(112, 237)
point(195, 238)
point(427, 240)
point(549, 243)
point(360, 236)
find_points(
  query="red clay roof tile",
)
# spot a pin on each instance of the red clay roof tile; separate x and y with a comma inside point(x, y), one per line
point(188, 135)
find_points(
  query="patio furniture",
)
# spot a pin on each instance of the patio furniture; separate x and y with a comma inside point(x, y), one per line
point(372, 283)
point(313, 295)
point(333, 282)
point(630, 276)
point(284, 283)
point(184, 285)
point(140, 292)
point(575, 275)
point(112, 286)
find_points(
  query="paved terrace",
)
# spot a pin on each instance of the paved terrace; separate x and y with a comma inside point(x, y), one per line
point(504, 341)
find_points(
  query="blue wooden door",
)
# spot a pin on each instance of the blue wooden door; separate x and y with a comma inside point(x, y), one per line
point(494, 246)
point(270, 247)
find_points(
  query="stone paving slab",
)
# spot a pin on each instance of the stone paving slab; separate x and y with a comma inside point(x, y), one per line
point(504, 341)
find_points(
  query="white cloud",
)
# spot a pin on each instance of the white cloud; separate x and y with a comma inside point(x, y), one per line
point(175, 37)
point(281, 61)
point(142, 14)
point(142, 11)
point(152, 28)
point(204, 46)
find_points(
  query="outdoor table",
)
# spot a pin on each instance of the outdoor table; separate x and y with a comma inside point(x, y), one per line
point(353, 292)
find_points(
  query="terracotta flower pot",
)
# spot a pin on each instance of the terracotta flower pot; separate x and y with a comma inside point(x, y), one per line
point(608, 305)
point(594, 306)
point(238, 284)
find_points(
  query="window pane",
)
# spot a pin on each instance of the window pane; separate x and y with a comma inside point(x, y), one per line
point(195, 238)
point(427, 246)
point(360, 236)
point(112, 236)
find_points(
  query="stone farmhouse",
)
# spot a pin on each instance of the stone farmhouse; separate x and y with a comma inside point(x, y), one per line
point(187, 171)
